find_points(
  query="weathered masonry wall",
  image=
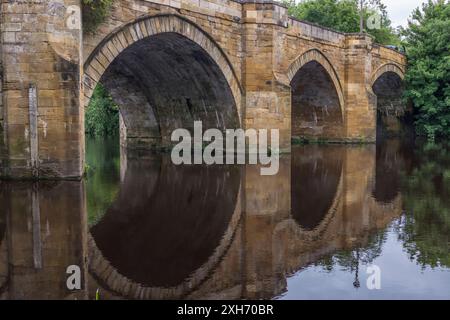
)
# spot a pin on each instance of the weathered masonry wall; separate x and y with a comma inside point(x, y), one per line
point(3, 150)
point(228, 63)
point(41, 58)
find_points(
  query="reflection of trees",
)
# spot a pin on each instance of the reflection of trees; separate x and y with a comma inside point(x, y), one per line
point(103, 176)
point(425, 228)
point(351, 259)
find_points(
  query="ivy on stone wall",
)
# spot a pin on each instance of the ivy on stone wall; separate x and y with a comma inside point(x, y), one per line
point(94, 13)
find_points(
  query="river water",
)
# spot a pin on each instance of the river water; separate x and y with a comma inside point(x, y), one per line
point(336, 222)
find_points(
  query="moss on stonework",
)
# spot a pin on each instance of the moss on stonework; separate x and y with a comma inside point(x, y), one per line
point(95, 13)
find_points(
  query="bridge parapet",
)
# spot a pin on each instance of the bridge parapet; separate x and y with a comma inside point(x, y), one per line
point(313, 31)
point(207, 7)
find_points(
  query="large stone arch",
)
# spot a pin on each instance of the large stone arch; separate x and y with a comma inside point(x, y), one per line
point(164, 72)
point(317, 99)
point(146, 26)
point(317, 56)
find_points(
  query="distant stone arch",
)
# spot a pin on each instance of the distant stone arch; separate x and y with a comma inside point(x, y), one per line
point(388, 67)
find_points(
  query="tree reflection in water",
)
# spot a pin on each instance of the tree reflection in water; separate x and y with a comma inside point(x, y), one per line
point(407, 193)
point(420, 172)
point(102, 175)
point(425, 227)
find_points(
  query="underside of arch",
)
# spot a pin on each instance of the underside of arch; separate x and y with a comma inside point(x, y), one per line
point(393, 115)
point(387, 68)
point(317, 99)
point(164, 73)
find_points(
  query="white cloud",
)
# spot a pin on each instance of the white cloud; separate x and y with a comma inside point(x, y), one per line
point(400, 10)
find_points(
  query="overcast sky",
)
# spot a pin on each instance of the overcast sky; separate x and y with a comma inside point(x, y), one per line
point(400, 10)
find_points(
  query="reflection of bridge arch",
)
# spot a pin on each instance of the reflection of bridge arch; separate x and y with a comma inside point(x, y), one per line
point(145, 27)
point(172, 222)
point(298, 250)
point(316, 185)
point(108, 276)
point(311, 235)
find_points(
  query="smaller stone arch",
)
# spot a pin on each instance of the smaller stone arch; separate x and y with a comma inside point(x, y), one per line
point(388, 67)
point(317, 56)
point(385, 91)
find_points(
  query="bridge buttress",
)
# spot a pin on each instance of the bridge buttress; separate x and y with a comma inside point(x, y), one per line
point(267, 101)
point(360, 103)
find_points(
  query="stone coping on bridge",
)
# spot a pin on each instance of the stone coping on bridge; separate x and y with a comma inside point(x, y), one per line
point(234, 9)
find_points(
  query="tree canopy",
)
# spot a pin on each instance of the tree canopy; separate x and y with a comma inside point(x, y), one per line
point(427, 39)
point(344, 16)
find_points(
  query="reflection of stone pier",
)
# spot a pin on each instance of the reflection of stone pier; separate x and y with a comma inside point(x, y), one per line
point(43, 228)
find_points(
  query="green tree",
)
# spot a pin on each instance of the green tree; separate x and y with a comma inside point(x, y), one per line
point(345, 16)
point(102, 114)
point(427, 40)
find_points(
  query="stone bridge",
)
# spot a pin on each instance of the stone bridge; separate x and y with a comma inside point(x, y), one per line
point(167, 63)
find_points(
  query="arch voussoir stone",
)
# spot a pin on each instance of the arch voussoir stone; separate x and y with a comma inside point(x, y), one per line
point(388, 67)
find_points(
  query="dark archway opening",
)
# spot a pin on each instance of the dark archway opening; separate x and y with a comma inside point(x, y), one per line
point(316, 110)
point(165, 82)
point(394, 117)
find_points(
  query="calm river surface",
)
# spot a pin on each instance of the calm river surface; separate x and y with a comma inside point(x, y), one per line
point(139, 227)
